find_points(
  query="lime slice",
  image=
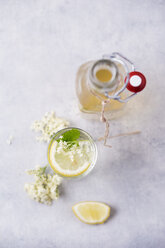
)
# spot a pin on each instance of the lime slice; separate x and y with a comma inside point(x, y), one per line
point(92, 212)
point(70, 162)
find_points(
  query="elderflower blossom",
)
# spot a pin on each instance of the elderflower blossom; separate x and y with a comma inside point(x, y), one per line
point(71, 151)
point(48, 126)
point(45, 187)
point(9, 141)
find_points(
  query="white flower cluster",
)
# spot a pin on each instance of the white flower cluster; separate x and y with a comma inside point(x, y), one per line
point(71, 151)
point(9, 141)
point(48, 126)
point(45, 187)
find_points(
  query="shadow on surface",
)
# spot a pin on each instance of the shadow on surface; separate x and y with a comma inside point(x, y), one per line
point(113, 212)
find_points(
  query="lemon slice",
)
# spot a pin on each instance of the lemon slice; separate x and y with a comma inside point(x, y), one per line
point(92, 212)
point(70, 163)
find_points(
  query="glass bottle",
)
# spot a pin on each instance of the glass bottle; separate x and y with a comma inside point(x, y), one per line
point(94, 78)
point(103, 85)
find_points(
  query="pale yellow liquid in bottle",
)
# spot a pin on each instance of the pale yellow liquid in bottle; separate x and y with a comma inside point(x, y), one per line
point(88, 102)
point(103, 75)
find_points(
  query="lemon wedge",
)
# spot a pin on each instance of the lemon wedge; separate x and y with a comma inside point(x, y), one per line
point(91, 212)
point(72, 162)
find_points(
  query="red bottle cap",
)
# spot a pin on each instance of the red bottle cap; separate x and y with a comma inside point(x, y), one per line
point(137, 81)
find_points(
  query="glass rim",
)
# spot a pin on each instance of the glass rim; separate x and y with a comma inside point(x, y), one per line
point(94, 160)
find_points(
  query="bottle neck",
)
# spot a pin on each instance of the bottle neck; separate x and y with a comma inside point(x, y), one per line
point(103, 76)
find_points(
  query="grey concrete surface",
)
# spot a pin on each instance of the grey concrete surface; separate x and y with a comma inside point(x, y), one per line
point(42, 44)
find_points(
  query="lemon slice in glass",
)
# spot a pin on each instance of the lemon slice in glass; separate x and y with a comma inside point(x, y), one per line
point(71, 162)
point(91, 212)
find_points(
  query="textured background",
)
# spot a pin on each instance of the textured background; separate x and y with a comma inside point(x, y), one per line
point(42, 43)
